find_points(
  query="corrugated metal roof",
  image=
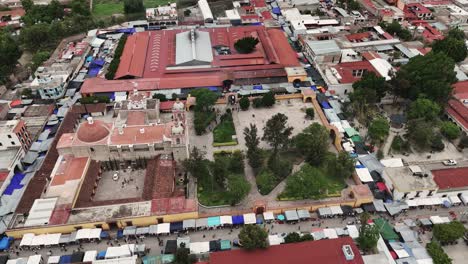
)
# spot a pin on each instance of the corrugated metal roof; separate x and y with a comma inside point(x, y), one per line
point(322, 47)
point(40, 212)
point(193, 47)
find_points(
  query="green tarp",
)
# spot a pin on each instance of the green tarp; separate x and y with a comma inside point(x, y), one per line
point(385, 229)
point(351, 132)
point(225, 245)
point(160, 259)
point(356, 138)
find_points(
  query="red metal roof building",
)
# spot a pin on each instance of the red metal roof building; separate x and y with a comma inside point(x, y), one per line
point(458, 112)
point(351, 72)
point(329, 251)
point(454, 178)
point(416, 11)
point(460, 90)
point(149, 58)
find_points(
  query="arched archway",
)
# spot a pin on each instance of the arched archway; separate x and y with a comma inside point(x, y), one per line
point(332, 135)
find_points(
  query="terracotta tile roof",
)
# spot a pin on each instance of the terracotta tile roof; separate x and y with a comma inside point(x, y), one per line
point(91, 133)
point(134, 135)
point(136, 118)
point(173, 205)
point(14, 12)
point(266, 15)
point(71, 168)
point(451, 178)
point(460, 90)
point(133, 57)
point(60, 215)
point(458, 111)
point(328, 251)
point(345, 70)
point(358, 36)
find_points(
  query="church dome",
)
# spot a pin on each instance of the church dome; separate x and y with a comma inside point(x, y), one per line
point(92, 131)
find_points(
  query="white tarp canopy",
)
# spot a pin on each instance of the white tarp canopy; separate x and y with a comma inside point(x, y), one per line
point(445, 219)
point(53, 260)
point(142, 231)
point(90, 255)
point(95, 233)
point(34, 259)
point(392, 163)
point(201, 222)
point(291, 215)
point(325, 211)
point(454, 199)
point(82, 233)
point(27, 239)
point(153, 229)
point(435, 219)
point(267, 216)
point(401, 253)
point(129, 231)
point(199, 247)
point(225, 220)
point(52, 239)
point(303, 214)
point(120, 252)
point(364, 175)
point(330, 233)
point(188, 223)
point(275, 240)
point(38, 240)
point(336, 210)
point(250, 219)
point(412, 203)
point(353, 231)
point(120, 96)
point(164, 228)
point(464, 198)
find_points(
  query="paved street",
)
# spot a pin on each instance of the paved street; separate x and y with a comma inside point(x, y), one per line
point(198, 236)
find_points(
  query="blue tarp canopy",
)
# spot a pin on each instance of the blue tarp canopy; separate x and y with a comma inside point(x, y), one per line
point(65, 259)
point(89, 58)
point(214, 221)
point(119, 234)
point(258, 87)
point(93, 72)
point(325, 105)
point(97, 62)
point(101, 254)
point(276, 11)
point(313, 87)
point(176, 226)
point(126, 30)
point(5, 243)
point(360, 166)
point(15, 184)
point(104, 234)
point(237, 219)
point(213, 88)
point(259, 219)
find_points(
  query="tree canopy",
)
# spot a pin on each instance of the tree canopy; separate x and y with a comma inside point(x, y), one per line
point(379, 129)
point(308, 183)
point(449, 232)
point(453, 45)
point(420, 132)
point(339, 166)
point(368, 235)
point(425, 109)
point(395, 28)
point(244, 103)
point(276, 132)
point(205, 99)
point(367, 92)
point(295, 237)
point(133, 6)
point(437, 253)
point(431, 75)
point(450, 130)
point(253, 237)
point(268, 99)
point(246, 45)
point(312, 142)
point(252, 140)
point(9, 54)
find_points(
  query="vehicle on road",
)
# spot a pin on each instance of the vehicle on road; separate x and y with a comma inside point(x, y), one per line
point(450, 162)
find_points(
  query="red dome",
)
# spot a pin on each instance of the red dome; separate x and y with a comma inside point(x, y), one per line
point(92, 132)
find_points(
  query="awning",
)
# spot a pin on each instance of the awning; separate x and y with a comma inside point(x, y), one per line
point(303, 214)
point(164, 228)
point(142, 231)
point(275, 240)
point(176, 226)
point(318, 234)
point(38, 240)
point(341, 231)
point(171, 247)
point(199, 247)
point(225, 220)
point(214, 221)
point(347, 210)
point(336, 210)
point(291, 215)
point(464, 198)
point(95, 233)
point(90, 256)
point(52, 239)
point(237, 219)
point(27, 239)
point(325, 211)
point(350, 132)
point(268, 216)
point(201, 223)
point(454, 199)
point(129, 231)
point(64, 239)
point(250, 219)
point(445, 219)
point(411, 203)
point(435, 219)
point(409, 222)
point(353, 231)
point(364, 175)
point(330, 233)
point(215, 245)
point(189, 223)
point(153, 229)
point(53, 260)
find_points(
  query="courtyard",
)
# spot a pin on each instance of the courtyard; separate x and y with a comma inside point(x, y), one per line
point(122, 184)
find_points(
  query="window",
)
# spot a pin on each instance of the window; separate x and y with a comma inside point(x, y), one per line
point(92, 149)
point(13, 143)
point(444, 196)
point(1, 144)
point(406, 195)
point(431, 192)
point(418, 194)
point(9, 136)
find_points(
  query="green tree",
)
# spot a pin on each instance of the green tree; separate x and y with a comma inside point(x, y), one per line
point(196, 163)
point(238, 188)
point(463, 142)
point(367, 92)
point(252, 140)
point(453, 45)
point(133, 6)
point(293, 237)
point(257, 102)
point(205, 99)
point(27, 4)
point(395, 28)
point(236, 162)
point(161, 97)
point(39, 58)
point(268, 99)
point(253, 237)
point(36, 37)
point(9, 54)
point(307, 237)
point(340, 166)
point(450, 130)
point(431, 75)
point(437, 253)
point(183, 256)
point(312, 142)
point(276, 132)
point(420, 133)
point(449, 232)
point(310, 113)
point(244, 103)
point(114, 65)
point(80, 7)
point(378, 130)
point(308, 183)
point(187, 12)
point(246, 45)
point(425, 109)
point(368, 235)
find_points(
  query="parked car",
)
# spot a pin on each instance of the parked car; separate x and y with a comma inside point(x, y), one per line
point(450, 162)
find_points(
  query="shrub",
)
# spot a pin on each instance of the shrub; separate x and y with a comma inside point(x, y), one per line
point(310, 113)
point(114, 65)
point(268, 99)
point(437, 144)
point(437, 253)
point(244, 103)
point(257, 103)
point(280, 167)
point(161, 97)
point(225, 130)
point(266, 182)
point(463, 142)
point(450, 130)
point(246, 45)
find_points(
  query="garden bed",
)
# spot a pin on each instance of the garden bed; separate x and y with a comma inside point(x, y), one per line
point(224, 131)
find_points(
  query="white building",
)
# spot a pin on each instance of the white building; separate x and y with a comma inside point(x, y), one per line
point(51, 81)
point(206, 11)
point(409, 182)
point(166, 14)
